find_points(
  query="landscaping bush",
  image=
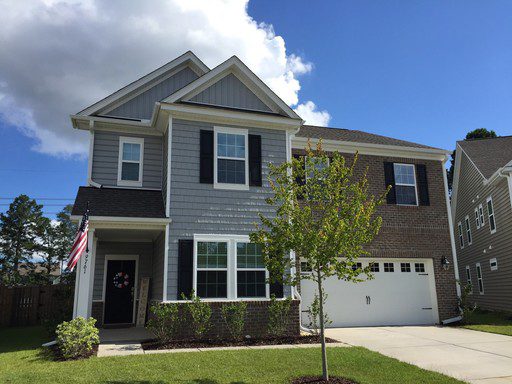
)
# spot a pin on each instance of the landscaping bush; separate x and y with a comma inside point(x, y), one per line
point(278, 311)
point(466, 308)
point(233, 315)
point(77, 338)
point(200, 314)
point(165, 321)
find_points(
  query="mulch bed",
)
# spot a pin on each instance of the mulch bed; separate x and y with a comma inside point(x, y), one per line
point(211, 343)
point(54, 353)
point(319, 380)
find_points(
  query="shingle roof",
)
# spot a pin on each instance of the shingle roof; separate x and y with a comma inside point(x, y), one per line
point(119, 202)
point(488, 154)
point(312, 131)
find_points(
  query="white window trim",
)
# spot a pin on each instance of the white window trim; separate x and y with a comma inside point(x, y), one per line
point(461, 236)
point(489, 199)
point(493, 261)
point(231, 267)
point(235, 131)
point(408, 185)
point(130, 140)
point(477, 218)
point(469, 280)
point(481, 213)
point(480, 279)
point(467, 223)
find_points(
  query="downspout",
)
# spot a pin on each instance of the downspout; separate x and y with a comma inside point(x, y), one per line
point(450, 225)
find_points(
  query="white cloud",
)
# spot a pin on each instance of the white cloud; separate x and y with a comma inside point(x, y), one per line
point(59, 56)
point(311, 115)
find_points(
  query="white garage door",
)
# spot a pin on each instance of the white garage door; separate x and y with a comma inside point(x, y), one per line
point(402, 293)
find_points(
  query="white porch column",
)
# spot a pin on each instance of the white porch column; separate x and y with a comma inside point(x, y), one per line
point(85, 279)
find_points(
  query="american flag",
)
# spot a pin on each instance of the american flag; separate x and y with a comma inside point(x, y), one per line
point(80, 243)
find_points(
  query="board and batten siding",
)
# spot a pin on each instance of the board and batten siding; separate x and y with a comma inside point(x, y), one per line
point(141, 106)
point(144, 250)
point(106, 156)
point(471, 192)
point(198, 208)
point(231, 92)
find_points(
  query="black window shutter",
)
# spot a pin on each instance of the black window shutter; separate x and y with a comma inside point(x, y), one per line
point(276, 289)
point(300, 180)
point(206, 157)
point(185, 267)
point(255, 160)
point(421, 175)
point(389, 178)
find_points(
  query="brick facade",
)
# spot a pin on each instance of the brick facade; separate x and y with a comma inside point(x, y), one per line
point(414, 232)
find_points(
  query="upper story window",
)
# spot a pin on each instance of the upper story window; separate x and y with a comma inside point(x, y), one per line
point(493, 263)
point(490, 215)
point(231, 158)
point(481, 214)
point(477, 218)
point(130, 165)
point(461, 238)
point(468, 230)
point(318, 163)
point(405, 184)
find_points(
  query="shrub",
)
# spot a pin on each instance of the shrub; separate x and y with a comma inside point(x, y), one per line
point(165, 321)
point(465, 307)
point(278, 311)
point(314, 314)
point(77, 338)
point(200, 313)
point(233, 315)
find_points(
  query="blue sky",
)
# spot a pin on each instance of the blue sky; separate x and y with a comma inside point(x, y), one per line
point(425, 71)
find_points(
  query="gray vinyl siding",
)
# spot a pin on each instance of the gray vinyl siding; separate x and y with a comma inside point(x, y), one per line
point(144, 250)
point(471, 192)
point(231, 92)
point(199, 208)
point(141, 106)
point(158, 267)
point(106, 156)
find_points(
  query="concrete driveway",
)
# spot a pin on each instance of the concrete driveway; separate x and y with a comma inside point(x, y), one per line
point(475, 357)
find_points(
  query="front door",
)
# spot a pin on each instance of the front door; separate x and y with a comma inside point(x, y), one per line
point(119, 291)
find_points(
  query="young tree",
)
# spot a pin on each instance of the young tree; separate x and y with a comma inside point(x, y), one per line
point(18, 233)
point(326, 215)
point(65, 234)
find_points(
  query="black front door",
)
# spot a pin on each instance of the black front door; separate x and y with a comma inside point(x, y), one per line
point(119, 291)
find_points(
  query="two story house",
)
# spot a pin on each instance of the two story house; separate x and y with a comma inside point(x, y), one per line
point(482, 212)
point(177, 175)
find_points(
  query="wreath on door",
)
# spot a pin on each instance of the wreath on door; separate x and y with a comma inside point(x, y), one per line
point(121, 280)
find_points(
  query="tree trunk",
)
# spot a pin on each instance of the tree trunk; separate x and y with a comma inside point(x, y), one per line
point(325, 373)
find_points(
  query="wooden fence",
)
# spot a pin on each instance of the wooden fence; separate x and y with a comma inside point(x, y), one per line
point(20, 306)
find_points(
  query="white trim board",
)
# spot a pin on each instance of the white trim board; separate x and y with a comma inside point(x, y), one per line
point(373, 149)
point(135, 286)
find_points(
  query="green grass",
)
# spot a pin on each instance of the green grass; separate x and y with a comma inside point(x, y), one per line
point(21, 361)
point(493, 322)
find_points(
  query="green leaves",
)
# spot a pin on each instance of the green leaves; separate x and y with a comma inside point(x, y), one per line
point(325, 213)
point(76, 338)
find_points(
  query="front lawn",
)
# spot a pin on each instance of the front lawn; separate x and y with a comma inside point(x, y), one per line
point(21, 361)
point(487, 321)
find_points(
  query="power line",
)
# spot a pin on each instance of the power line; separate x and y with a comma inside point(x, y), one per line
point(46, 205)
point(39, 198)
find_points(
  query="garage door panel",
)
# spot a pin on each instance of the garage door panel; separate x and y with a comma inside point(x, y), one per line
point(391, 298)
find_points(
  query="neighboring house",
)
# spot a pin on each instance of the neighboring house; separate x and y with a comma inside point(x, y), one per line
point(482, 219)
point(24, 269)
point(178, 171)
